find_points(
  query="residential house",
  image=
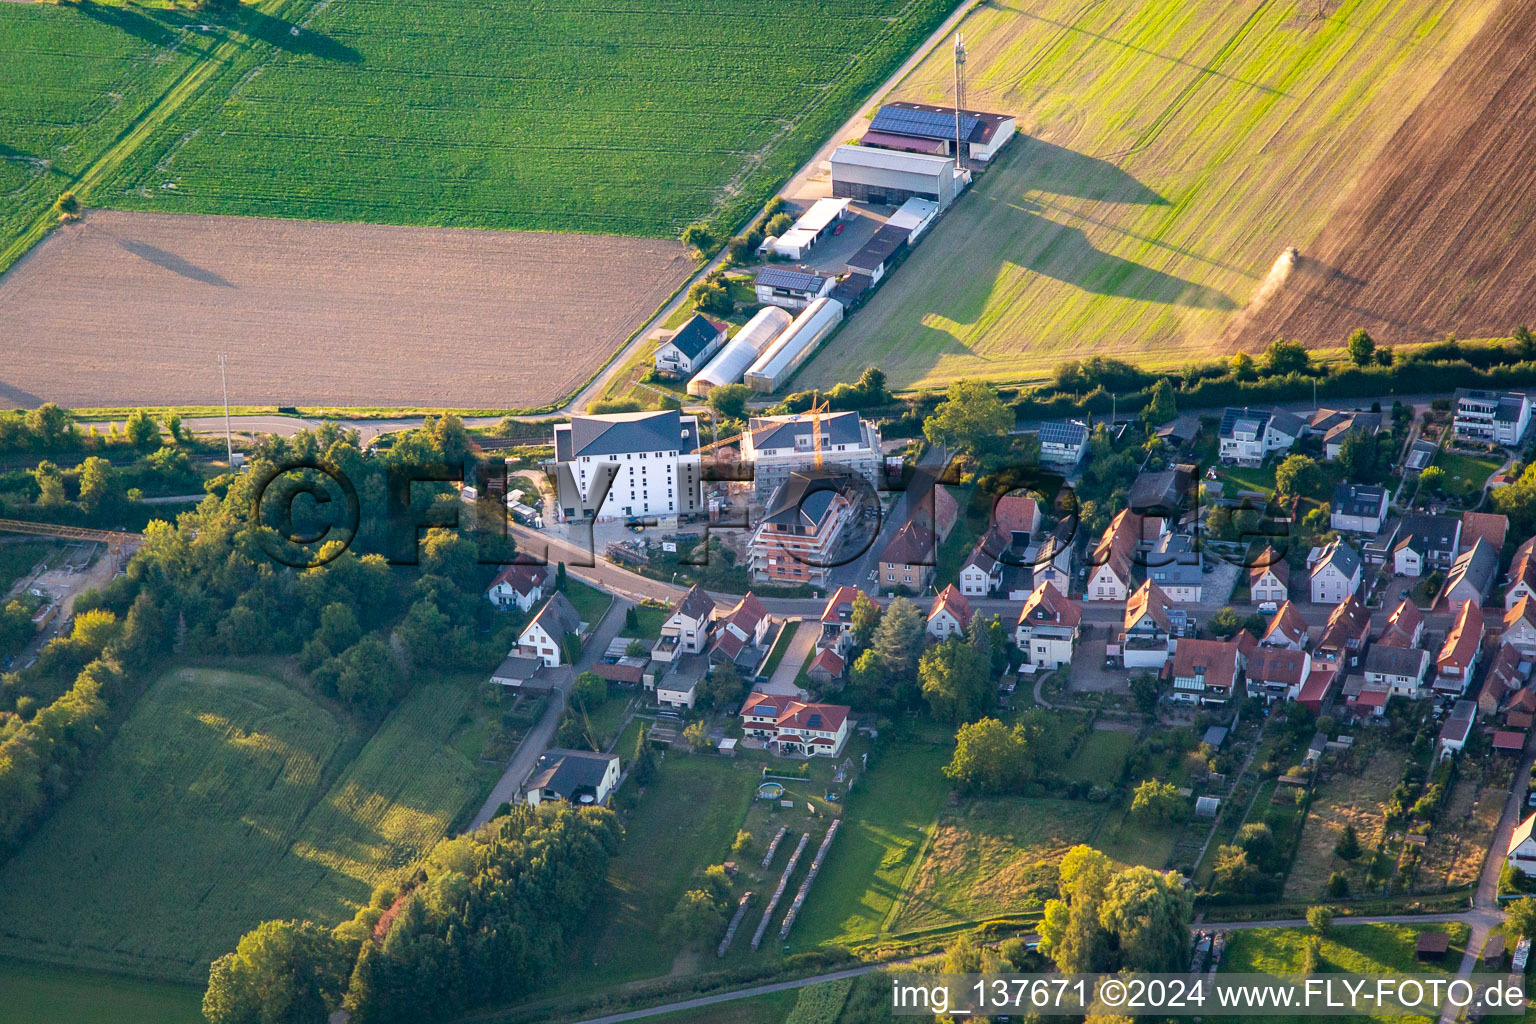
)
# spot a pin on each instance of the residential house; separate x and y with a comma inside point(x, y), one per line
point(1287, 629)
point(1246, 435)
point(1206, 671)
point(908, 558)
point(1051, 562)
point(677, 682)
point(1456, 730)
point(517, 586)
point(628, 465)
point(544, 636)
point(1471, 576)
point(1405, 626)
point(1420, 454)
point(1522, 574)
point(1334, 571)
point(1458, 655)
point(791, 287)
point(1317, 688)
point(1015, 518)
point(1400, 669)
point(1489, 526)
point(1343, 641)
point(1164, 500)
point(1176, 566)
point(776, 446)
point(797, 539)
point(1358, 508)
point(1507, 674)
point(686, 350)
point(837, 620)
point(1048, 628)
point(1520, 854)
point(687, 629)
point(1148, 628)
point(1109, 573)
point(1337, 426)
point(1277, 673)
point(950, 614)
point(1426, 544)
point(575, 776)
point(1520, 626)
point(1063, 444)
point(794, 727)
point(1269, 579)
point(1494, 417)
point(741, 633)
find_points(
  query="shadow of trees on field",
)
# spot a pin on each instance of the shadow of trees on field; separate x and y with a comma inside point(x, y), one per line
point(157, 29)
point(15, 398)
point(279, 34)
point(1040, 166)
point(257, 26)
point(170, 261)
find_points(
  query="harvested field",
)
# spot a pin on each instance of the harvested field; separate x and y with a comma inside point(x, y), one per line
point(1353, 796)
point(1439, 235)
point(1168, 153)
point(135, 307)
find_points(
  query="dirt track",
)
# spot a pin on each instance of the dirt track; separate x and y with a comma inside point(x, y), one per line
point(1439, 235)
point(132, 309)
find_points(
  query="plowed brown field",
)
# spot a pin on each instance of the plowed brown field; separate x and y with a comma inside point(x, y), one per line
point(133, 308)
point(1439, 235)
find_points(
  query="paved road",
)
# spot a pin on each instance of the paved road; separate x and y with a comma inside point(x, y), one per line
point(538, 739)
point(800, 647)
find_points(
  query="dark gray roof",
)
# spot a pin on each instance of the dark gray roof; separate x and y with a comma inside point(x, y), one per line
point(1163, 493)
point(922, 124)
point(696, 335)
point(516, 667)
point(798, 279)
point(558, 616)
point(1067, 432)
point(1342, 557)
point(569, 772)
point(803, 498)
point(1230, 417)
point(1509, 409)
point(696, 604)
point(850, 288)
point(1477, 566)
point(1396, 661)
point(885, 243)
point(1174, 562)
point(1430, 534)
point(1287, 423)
point(1358, 499)
point(618, 433)
point(781, 432)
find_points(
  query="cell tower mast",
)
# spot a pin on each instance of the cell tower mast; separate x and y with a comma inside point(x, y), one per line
point(229, 441)
point(959, 95)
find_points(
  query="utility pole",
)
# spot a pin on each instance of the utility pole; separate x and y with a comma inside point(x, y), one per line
point(229, 442)
point(959, 95)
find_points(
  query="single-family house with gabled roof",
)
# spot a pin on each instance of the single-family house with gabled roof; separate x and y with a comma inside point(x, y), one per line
point(1148, 632)
point(1456, 730)
point(1269, 578)
point(544, 636)
point(686, 350)
point(1520, 854)
point(1063, 444)
point(908, 558)
point(517, 586)
point(1334, 572)
point(1471, 576)
point(687, 629)
point(1048, 628)
point(1425, 543)
point(1343, 641)
point(1163, 498)
point(1400, 669)
point(741, 633)
point(1358, 508)
point(1177, 567)
point(1349, 425)
point(793, 727)
point(1458, 654)
point(1317, 688)
point(837, 620)
point(1522, 574)
point(1405, 626)
point(1109, 572)
point(1277, 673)
point(1206, 671)
point(1015, 518)
point(1520, 626)
point(950, 614)
point(1286, 629)
point(576, 776)
point(1507, 674)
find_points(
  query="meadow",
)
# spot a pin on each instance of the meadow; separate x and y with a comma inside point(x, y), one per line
point(1169, 152)
point(227, 799)
point(50, 995)
point(558, 115)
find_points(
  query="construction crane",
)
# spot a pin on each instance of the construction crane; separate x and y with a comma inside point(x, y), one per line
point(117, 541)
point(817, 408)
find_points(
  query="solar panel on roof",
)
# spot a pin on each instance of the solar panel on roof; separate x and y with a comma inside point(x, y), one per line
point(922, 124)
point(1061, 433)
point(796, 280)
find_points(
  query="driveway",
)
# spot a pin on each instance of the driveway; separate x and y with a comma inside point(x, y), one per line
point(800, 647)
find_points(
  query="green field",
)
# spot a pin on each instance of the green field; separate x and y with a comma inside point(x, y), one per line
point(1100, 757)
point(51, 995)
point(991, 857)
point(549, 115)
point(228, 799)
point(1171, 151)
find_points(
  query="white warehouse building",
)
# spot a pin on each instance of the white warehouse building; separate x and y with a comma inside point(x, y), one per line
point(741, 351)
point(794, 346)
point(887, 177)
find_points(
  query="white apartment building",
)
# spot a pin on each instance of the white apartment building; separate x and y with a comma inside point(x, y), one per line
point(628, 465)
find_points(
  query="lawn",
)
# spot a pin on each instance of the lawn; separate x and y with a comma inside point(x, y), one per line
point(558, 115)
point(1132, 842)
point(780, 647)
point(768, 1009)
point(1100, 757)
point(1465, 474)
point(590, 603)
point(650, 619)
point(52, 995)
point(227, 799)
point(1168, 152)
point(993, 856)
point(1352, 796)
point(1355, 949)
